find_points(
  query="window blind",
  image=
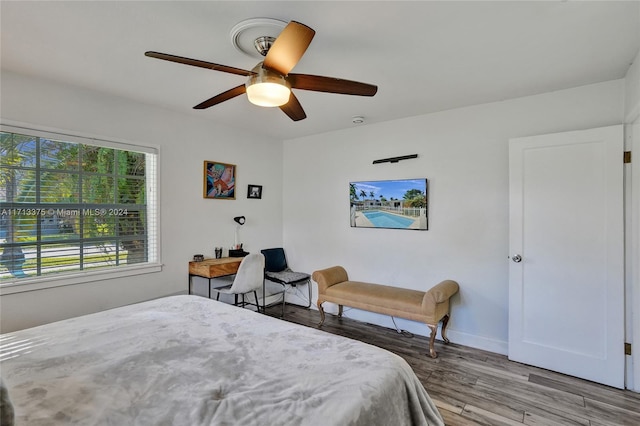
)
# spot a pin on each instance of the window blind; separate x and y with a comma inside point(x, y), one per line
point(70, 204)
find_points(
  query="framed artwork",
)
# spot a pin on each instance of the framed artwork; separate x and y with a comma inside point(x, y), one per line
point(396, 204)
point(219, 180)
point(254, 191)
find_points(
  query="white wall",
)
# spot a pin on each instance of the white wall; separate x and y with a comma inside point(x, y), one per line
point(464, 154)
point(632, 91)
point(189, 223)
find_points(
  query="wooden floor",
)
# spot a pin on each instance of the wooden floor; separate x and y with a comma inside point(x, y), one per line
point(475, 387)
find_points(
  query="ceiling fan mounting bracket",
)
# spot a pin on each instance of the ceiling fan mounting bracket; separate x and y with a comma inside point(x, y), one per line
point(263, 44)
point(255, 36)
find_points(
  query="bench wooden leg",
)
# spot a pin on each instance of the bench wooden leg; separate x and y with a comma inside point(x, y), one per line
point(432, 339)
point(443, 331)
point(321, 313)
point(339, 311)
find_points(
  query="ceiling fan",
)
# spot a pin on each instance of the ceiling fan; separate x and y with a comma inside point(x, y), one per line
point(270, 82)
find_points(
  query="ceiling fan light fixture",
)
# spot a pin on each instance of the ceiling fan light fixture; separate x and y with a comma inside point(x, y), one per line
point(268, 94)
point(267, 88)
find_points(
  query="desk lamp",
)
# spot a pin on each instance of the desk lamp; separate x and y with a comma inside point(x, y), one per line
point(240, 220)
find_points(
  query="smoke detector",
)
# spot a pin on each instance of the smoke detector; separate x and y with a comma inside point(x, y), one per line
point(357, 119)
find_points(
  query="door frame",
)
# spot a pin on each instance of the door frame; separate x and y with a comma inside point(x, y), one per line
point(632, 142)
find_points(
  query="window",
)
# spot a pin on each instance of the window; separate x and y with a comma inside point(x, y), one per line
point(71, 204)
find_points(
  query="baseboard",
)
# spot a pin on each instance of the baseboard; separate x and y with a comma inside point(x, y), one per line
point(479, 342)
point(474, 341)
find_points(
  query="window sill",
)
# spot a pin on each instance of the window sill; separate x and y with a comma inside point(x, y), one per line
point(40, 283)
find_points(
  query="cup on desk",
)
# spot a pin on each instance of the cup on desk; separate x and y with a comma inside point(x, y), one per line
point(218, 251)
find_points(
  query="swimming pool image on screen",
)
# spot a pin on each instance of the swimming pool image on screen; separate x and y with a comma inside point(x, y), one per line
point(388, 220)
point(395, 204)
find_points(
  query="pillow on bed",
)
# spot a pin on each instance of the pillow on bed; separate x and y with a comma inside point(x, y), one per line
point(6, 408)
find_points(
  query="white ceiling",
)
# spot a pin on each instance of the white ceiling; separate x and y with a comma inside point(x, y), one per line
point(424, 56)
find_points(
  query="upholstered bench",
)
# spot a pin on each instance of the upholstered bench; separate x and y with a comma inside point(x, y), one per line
point(429, 307)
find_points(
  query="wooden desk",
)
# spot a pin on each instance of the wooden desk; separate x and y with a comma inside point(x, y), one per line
point(212, 268)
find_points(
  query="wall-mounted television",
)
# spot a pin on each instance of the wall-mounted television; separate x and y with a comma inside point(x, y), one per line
point(395, 204)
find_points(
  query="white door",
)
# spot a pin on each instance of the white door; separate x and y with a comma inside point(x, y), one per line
point(566, 261)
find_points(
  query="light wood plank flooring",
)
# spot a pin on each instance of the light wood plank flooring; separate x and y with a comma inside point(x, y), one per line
point(475, 387)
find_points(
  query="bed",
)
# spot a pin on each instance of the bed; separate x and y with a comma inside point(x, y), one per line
point(188, 360)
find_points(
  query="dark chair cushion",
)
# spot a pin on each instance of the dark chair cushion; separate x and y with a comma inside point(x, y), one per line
point(287, 276)
point(274, 260)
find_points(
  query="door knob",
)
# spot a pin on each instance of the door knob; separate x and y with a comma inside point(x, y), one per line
point(517, 258)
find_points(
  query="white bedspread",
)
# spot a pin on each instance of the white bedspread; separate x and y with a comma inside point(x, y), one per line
point(187, 360)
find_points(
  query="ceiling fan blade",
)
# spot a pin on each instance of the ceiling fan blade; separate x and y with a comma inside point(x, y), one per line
point(293, 109)
point(289, 47)
point(198, 63)
point(319, 83)
point(224, 96)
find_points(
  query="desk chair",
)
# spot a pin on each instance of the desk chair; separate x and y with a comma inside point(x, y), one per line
point(248, 279)
point(277, 271)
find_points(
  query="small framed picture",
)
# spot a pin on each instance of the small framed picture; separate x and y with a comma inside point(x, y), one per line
point(254, 191)
point(219, 180)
